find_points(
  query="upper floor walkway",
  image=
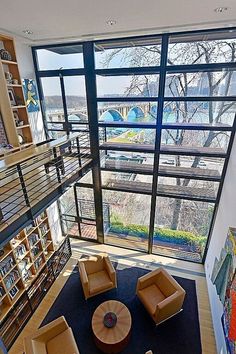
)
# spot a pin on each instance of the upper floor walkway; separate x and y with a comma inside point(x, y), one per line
point(30, 180)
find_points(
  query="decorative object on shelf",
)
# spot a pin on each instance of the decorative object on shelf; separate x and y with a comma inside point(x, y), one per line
point(1, 252)
point(30, 227)
point(2, 291)
point(5, 55)
point(6, 265)
point(19, 101)
point(110, 319)
point(31, 95)
point(13, 291)
point(12, 96)
point(8, 77)
point(21, 139)
point(16, 117)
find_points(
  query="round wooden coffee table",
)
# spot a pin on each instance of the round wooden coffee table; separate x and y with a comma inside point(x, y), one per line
point(111, 340)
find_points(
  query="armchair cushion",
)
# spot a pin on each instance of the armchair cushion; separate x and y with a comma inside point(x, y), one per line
point(52, 338)
point(99, 281)
point(60, 342)
point(97, 275)
point(150, 297)
point(160, 294)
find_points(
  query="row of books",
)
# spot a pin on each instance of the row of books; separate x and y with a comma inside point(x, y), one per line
point(6, 265)
point(11, 278)
point(33, 238)
point(20, 250)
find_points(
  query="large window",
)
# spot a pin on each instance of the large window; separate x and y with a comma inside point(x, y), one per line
point(161, 114)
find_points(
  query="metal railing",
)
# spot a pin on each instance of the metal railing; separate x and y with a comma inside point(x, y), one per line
point(50, 167)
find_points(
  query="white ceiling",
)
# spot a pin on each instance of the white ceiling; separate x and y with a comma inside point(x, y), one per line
point(64, 20)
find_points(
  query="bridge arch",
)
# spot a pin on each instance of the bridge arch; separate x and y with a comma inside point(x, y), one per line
point(135, 113)
point(111, 115)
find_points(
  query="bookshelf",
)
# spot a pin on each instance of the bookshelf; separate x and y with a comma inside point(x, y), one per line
point(12, 103)
point(22, 260)
point(16, 315)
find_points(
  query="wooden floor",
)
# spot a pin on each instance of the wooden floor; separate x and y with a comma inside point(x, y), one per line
point(129, 258)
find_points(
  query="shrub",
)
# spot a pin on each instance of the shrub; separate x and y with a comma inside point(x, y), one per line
point(162, 235)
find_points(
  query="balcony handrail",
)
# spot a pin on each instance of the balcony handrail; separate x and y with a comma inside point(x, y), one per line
point(33, 151)
point(32, 179)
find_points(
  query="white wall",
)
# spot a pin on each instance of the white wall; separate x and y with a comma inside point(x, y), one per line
point(26, 66)
point(226, 217)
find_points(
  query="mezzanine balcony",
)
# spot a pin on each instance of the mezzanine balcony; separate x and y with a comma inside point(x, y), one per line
point(31, 179)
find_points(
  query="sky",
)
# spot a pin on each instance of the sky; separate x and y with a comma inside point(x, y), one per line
point(76, 85)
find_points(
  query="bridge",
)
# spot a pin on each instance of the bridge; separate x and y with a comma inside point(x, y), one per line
point(116, 112)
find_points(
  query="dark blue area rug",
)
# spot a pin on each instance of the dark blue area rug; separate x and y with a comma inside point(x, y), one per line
point(178, 335)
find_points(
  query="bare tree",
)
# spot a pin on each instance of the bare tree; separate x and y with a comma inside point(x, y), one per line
point(221, 83)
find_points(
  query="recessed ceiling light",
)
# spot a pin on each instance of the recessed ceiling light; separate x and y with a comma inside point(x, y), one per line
point(111, 22)
point(27, 31)
point(221, 9)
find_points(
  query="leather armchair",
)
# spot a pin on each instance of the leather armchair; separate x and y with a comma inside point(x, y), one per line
point(160, 294)
point(97, 275)
point(52, 339)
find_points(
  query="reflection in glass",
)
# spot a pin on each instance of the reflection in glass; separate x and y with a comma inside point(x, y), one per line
point(123, 54)
point(202, 48)
point(126, 222)
point(133, 112)
point(76, 98)
point(181, 228)
point(61, 57)
point(218, 83)
point(128, 86)
point(52, 99)
point(124, 160)
point(211, 167)
point(127, 135)
point(195, 138)
point(196, 112)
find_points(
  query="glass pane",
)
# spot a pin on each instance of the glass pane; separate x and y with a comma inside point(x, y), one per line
point(195, 138)
point(123, 54)
point(127, 135)
point(76, 98)
point(87, 218)
point(67, 203)
point(123, 160)
point(212, 113)
point(56, 134)
point(202, 48)
point(52, 99)
point(212, 84)
point(87, 178)
point(181, 228)
point(126, 180)
point(127, 219)
point(61, 57)
point(128, 86)
point(186, 165)
point(133, 112)
point(186, 187)
point(55, 126)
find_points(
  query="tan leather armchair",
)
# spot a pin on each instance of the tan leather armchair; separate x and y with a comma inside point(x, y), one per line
point(97, 275)
point(160, 294)
point(54, 338)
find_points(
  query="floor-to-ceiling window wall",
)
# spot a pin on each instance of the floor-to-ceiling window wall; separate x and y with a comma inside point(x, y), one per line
point(165, 119)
